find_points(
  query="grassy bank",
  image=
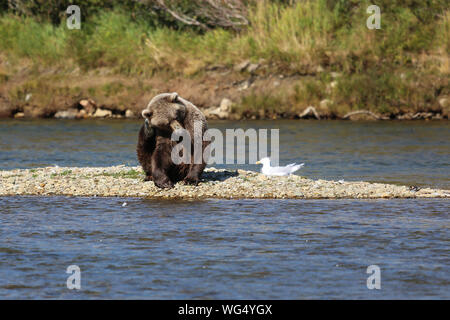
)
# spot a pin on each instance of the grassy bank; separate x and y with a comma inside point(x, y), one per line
point(309, 53)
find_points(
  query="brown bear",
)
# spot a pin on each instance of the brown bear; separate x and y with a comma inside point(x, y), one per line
point(165, 113)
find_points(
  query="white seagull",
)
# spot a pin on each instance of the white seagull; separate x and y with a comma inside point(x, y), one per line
point(278, 171)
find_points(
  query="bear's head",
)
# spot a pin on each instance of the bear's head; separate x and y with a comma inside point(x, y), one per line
point(165, 111)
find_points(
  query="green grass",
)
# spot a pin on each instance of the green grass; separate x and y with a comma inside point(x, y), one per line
point(65, 173)
point(25, 37)
point(300, 37)
point(130, 174)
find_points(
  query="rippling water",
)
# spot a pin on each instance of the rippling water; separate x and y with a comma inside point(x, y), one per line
point(223, 249)
point(292, 249)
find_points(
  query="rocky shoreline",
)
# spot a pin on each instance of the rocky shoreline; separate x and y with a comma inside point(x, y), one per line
point(246, 91)
point(88, 109)
point(123, 181)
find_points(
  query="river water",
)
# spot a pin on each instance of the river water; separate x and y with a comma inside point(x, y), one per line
point(225, 249)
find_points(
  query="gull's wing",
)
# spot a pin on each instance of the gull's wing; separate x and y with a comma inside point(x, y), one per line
point(279, 171)
point(291, 164)
point(282, 171)
point(296, 167)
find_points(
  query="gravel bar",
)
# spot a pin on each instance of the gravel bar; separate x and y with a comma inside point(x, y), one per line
point(125, 181)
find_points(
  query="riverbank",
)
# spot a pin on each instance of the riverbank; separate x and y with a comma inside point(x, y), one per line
point(226, 94)
point(122, 181)
point(309, 59)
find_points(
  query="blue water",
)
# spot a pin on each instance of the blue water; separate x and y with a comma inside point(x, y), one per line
point(223, 249)
point(231, 249)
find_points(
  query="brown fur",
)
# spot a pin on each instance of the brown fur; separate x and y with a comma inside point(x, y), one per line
point(145, 148)
point(154, 152)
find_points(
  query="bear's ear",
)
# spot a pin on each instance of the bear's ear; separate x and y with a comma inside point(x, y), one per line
point(173, 96)
point(146, 113)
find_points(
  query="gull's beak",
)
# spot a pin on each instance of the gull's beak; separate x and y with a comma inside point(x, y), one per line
point(258, 162)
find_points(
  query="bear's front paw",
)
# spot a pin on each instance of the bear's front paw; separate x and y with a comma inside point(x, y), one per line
point(191, 180)
point(148, 178)
point(164, 184)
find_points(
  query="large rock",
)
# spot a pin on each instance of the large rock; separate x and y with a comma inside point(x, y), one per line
point(82, 114)
point(222, 112)
point(71, 113)
point(242, 66)
point(252, 67)
point(225, 105)
point(102, 113)
point(89, 105)
point(129, 114)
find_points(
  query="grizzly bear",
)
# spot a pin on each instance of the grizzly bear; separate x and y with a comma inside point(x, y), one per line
point(165, 113)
